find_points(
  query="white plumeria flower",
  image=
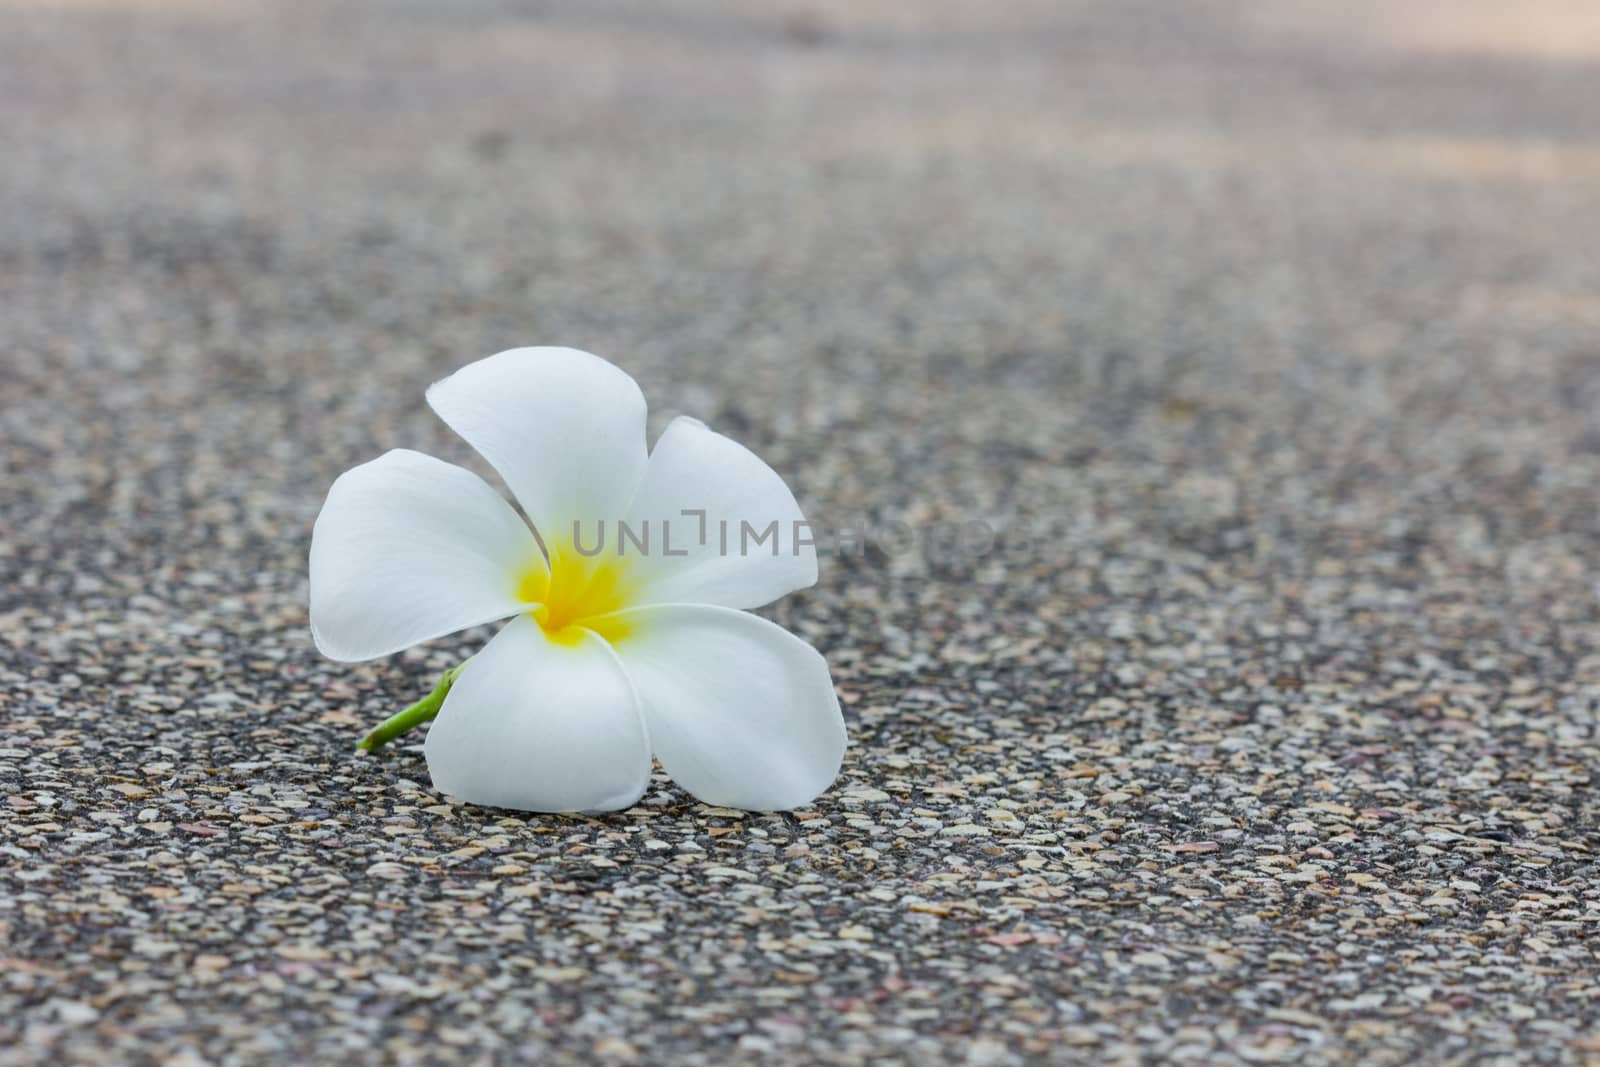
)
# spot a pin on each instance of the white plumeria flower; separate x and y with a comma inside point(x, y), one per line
point(607, 656)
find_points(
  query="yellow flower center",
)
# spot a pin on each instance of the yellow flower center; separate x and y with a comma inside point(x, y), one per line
point(577, 594)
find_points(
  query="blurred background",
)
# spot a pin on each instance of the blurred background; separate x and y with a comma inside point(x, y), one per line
point(1204, 247)
point(1284, 314)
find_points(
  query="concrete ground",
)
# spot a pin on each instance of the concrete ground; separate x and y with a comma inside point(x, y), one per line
point(1269, 334)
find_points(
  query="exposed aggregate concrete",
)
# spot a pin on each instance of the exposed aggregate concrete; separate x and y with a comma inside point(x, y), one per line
point(1266, 335)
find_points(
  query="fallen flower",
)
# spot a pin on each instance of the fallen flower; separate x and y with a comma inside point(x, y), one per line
point(611, 653)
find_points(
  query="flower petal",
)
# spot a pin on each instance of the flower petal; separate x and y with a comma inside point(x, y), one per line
point(741, 712)
point(540, 725)
point(750, 547)
point(565, 429)
point(408, 548)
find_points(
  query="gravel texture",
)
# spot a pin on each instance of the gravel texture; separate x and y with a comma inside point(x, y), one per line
point(1268, 333)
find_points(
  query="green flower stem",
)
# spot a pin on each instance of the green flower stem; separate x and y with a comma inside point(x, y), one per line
point(417, 714)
